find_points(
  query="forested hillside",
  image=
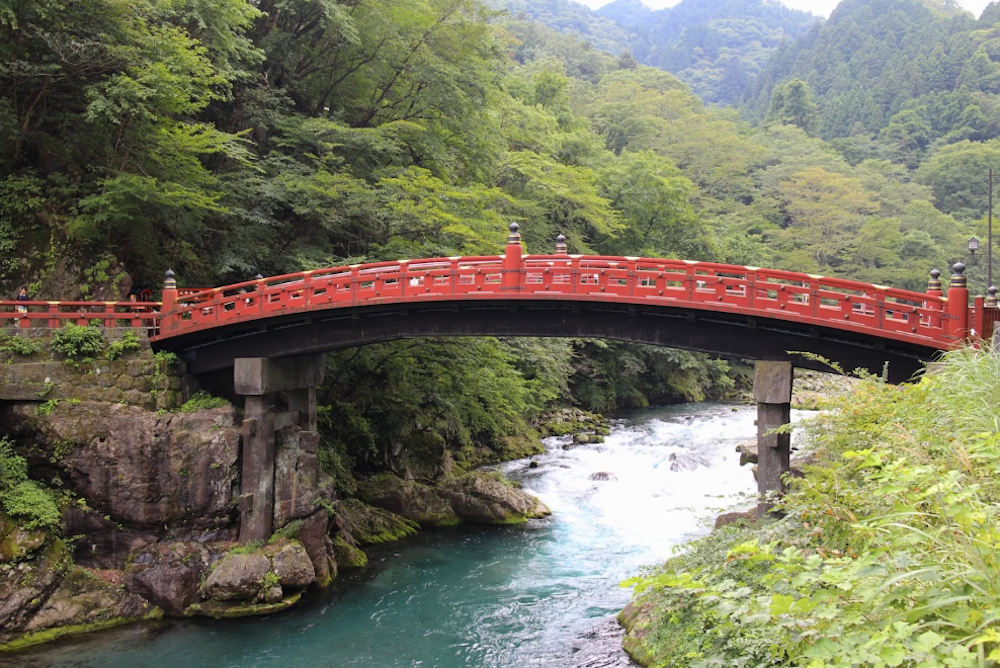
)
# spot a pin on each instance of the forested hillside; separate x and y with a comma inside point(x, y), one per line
point(915, 71)
point(717, 47)
point(224, 139)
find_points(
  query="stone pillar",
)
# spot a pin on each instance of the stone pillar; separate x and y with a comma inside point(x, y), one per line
point(257, 478)
point(304, 401)
point(259, 379)
point(772, 390)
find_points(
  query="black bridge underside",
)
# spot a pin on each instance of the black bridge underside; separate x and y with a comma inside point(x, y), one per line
point(728, 335)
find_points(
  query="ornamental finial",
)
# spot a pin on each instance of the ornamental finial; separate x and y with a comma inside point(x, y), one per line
point(514, 237)
point(561, 245)
point(958, 279)
point(168, 280)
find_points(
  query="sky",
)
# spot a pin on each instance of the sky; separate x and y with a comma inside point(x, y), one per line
point(823, 7)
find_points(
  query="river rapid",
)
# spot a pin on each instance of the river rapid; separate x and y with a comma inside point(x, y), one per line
point(544, 594)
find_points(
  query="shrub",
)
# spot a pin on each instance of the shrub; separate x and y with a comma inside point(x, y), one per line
point(889, 551)
point(202, 400)
point(74, 341)
point(22, 498)
point(21, 346)
point(128, 343)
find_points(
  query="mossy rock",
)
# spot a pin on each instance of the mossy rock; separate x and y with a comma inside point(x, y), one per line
point(220, 610)
point(49, 635)
point(636, 619)
point(16, 542)
point(489, 498)
point(372, 526)
point(347, 555)
point(409, 499)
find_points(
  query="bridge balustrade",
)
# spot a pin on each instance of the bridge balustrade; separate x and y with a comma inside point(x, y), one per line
point(772, 293)
point(926, 319)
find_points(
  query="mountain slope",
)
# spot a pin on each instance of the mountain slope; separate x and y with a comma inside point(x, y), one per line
point(923, 64)
point(718, 47)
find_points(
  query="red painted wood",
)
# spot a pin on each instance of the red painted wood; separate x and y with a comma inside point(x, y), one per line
point(865, 308)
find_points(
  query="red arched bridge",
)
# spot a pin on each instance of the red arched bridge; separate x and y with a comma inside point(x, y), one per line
point(724, 309)
point(271, 331)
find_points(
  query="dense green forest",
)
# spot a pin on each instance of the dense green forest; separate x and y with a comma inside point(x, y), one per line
point(909, 73)
point(717, 47)
point(227, 138)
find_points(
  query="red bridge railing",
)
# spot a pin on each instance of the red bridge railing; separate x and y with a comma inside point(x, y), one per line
point(24, 314)
point(928, 319)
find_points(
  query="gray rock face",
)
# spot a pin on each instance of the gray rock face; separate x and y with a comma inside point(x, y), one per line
point(142, 469)
point(483, 498)
point(299, 483)
point(237, 577)
point(293, 567)
point(24, 587)
point(408, 498)
point(315, 538)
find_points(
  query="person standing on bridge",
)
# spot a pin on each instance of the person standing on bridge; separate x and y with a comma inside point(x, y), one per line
point(22, 296)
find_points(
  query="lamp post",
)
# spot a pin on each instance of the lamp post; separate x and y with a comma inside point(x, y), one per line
point(989, 228)
point(973, 246)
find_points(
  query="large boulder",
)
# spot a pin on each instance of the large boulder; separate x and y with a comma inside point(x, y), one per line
point(169, 574)
point(408, 498)
point(293, 566)
point(488, 498)
point(237, 577)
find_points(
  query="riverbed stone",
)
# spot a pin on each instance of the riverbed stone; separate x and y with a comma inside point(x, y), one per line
point(487, 498)
point(237, 577)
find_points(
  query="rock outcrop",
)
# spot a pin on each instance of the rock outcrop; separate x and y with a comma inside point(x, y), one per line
point(487, 498)
point(371, 526)
point(139, 470)
point(169, 574)
point(410, 499)
point(45, 596)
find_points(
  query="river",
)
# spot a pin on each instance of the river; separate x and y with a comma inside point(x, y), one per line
point(544, 594)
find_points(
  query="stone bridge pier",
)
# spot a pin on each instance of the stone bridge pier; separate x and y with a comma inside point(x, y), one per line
point(772, 391)
point(268, 385)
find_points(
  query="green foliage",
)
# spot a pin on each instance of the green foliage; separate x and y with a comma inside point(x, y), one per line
point(202, 401)
point(887, 554)
point(248, 548)
point(19, 345)
point(609, 375)
point(78, 341)
point(24, 499)
point(127, 344)
point(269, 580)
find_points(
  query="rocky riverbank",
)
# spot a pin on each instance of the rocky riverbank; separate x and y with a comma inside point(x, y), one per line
point(145, 491)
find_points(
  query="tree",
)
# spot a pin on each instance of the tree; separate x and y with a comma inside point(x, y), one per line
point(792, 104)
point(957, 175)
point(825, 212)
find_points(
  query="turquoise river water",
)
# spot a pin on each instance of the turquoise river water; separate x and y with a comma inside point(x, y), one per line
point(544, 594)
